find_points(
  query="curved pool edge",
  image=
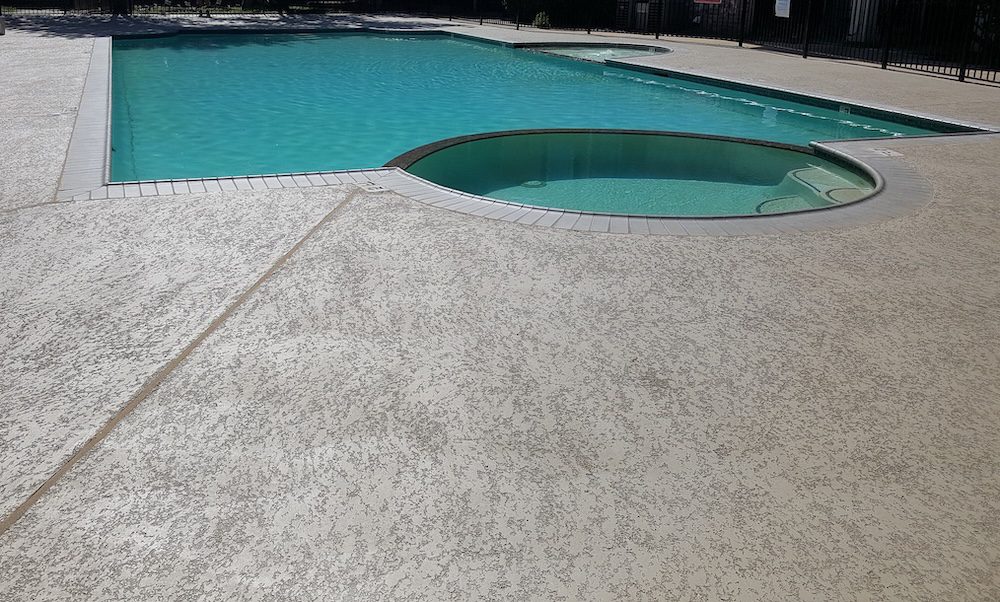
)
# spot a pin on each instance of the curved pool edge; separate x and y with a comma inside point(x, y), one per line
point(837, 156)
point(902, 191)
point(410, 157)
point(819, 149)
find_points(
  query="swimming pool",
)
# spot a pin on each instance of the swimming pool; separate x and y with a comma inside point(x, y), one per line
point(189, 106)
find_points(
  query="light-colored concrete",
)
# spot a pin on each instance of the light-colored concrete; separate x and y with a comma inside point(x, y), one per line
point(433, 406)
point(429, 405)
point(96, 296)
point(40, 87)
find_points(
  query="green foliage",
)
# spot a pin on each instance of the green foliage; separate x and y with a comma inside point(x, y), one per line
point(553, 13)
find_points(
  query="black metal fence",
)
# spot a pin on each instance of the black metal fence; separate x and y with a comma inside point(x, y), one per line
point(953, 38)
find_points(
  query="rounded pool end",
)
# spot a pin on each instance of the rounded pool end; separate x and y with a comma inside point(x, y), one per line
point(643, 173)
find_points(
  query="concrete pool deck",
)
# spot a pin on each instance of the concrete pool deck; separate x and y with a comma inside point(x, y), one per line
point(339, 392)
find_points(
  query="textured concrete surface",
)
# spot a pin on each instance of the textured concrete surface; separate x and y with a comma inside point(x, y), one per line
point(39, 110)
point(430, 406)
point(427, 405)
point(96, 296)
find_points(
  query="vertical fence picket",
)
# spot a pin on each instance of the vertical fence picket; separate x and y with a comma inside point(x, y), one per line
point(970, 30)
point(743, 21)
point(806, 34)
point(887, 27)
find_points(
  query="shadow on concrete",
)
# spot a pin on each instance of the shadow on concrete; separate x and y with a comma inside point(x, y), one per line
point(83, 26)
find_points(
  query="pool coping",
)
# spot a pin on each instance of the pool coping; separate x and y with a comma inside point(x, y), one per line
point(833, 103)
point(409, 158)
point(86, 174)
point(88, 159)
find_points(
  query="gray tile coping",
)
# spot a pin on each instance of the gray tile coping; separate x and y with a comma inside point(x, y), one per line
point(86, 177)
point(117, 190)
point(87, 157)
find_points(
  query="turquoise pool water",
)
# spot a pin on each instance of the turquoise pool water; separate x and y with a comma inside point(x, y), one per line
point(643, 174)
point(236, 104)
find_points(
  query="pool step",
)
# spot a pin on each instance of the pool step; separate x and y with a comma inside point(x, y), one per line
point(811, 188)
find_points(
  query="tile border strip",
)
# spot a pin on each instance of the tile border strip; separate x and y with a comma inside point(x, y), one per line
point(87, 156)
point(365, 178)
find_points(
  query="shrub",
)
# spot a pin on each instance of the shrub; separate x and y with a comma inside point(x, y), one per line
point(542, 20)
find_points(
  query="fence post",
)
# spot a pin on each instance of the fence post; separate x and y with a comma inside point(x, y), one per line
point(887, 34)
point(517, 15)
point(659, 19)
point(808, 31)
point(743, 21)
point(590, 15)
point(970, 32)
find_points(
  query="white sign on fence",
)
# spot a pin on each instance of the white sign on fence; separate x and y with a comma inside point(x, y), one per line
point(782, 8)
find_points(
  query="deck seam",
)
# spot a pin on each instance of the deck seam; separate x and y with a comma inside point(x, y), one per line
point(154, 382)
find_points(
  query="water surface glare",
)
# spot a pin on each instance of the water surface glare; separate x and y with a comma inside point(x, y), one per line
point(191, 106)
